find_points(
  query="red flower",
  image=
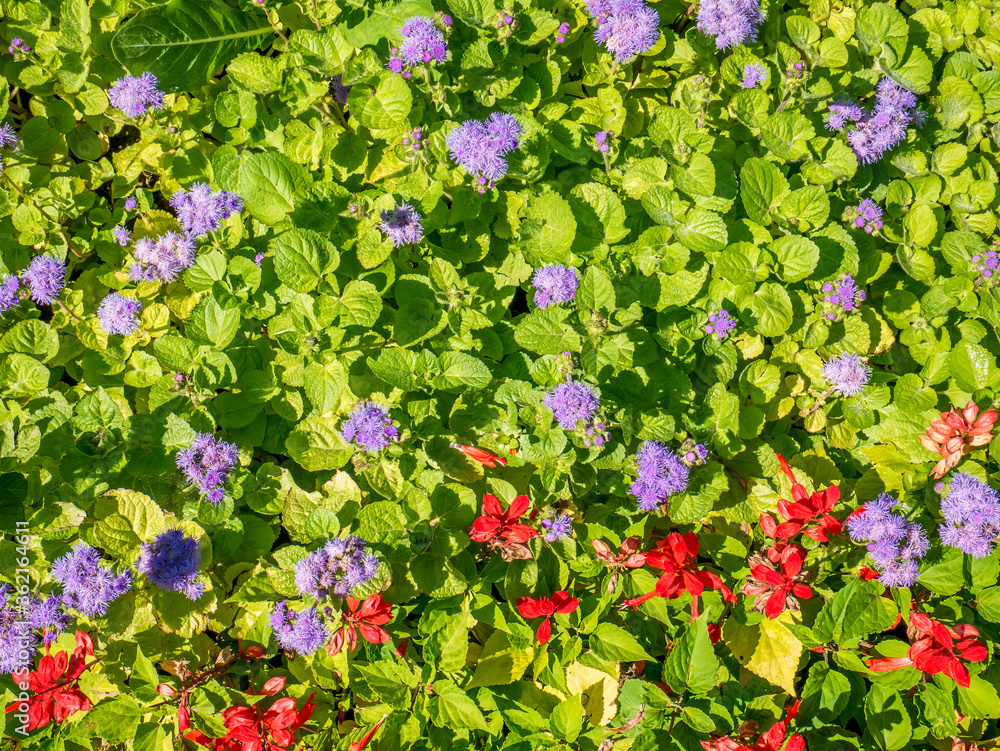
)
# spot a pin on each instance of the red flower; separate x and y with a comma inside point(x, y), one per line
point(56, 685)
point(676, 557)
point(804, 510)
point(955, 435)
point(481, 456)
point(368, 617)
point(500, 528)
point(938, 649)
point(366, 738)
point(627, 557)
point(546, 607)
point(772, 740)
point(778, 583)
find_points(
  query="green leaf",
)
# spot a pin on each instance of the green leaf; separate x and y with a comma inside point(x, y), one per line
point(773, 308)
point(566, 719)
point(460, 371)
point(853, 612)
point(973, 366)
point(22, 376)
point(692, 664)
point(316, 444)
point(302, 257)
point(267, 183)
point(796, 256)
point(212, 324)
point(182, 42)
point(615, 644)
point(548, 230)
point(762, 186)
point(546, 333)
point(888, 719)
point(451, 707)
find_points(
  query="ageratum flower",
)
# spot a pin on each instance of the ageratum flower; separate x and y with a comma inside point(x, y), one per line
point(555, 284)
point(10, 285)
point(122, 235)
point(630, 29)
point(336, 569)
point(971, 512)
point(45, 277)
point(874, 133)
point(557, 528)
point(481, 146)
point(842, 296)
point(206, 464)
point(19, 627)
point(301, 632)
point(133, 95)
point(162, 259)
point(402, 225)
point(573, 403)
point(422, 43)
point(9, 139)
point(340, 91)
point(200, 211)
point(89, 585)
point(661, 474)
point(754, 74)
point(869, 216)
point(370, 428)
point(171, 562)
point(847, 373)
point(894, 544)
point(731, 22)
point(119, 314)
point(131, 203)
point(720, 324)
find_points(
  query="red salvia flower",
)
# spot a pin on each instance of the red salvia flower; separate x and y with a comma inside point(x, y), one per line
point(480, 455)
point(56, 684)
point(500, 528)
point(366, 617)
point(772, 740)
point(778, 583)
point(937, 649)
point(546, 607)
point(676, 557)
point(803, 511)
point(366, 738)
point(956, 434)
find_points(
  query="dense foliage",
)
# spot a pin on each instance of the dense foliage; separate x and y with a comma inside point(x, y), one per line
point(434, 374)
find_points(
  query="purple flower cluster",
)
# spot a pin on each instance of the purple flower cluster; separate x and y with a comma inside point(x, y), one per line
point(754, 74)
point(874, 133)
point(413, 139)
point(45, 277)
point(795, 71)
point(131, 203)
point(89, 585)
point(843, 296)
point(370, 427)
point(171, 562)
point(720, 324)
point(133, 95)
point(661, 474)
point(601, 139)
point(894, 544)
point(121, 235)
point(402, 225)
point(10, 285)
point(557, 528)
point(162, 259)
point(482, 146)
point(986, 264)
point(694, 453)
point(627, 28)
point(301, 632)
point(731, 22)
point(573, 403)
point(17, 46)
point(555, 284)
point(200, 211)
point(206, 464)
point(971, 512)
point(9, 139)
point(561, 33)
point(847, 373)
point(422, 43)
point(19, 626)
point(336, 568)
point(118, 314)
point(868, 215)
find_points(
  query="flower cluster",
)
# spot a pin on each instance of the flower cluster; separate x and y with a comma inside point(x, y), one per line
point(778, 581)
point(574, 404)
point(554, 284)
point(301, 632)
point(18, 47)
point(199, 210)
point(545, 607)
point(872, 134)
point(842, 297)
point(986, 264)
point(626, 28)
point(482, 146)
point(423, 42)
point(894, 544)
point(89, 585)
point(730, 22)
point(370, 427)
point(720, 324)
point(45, 277)
point(868, 215)
point(118, 314)
point(601, 140)
point(56, 685)
point(971, 512)
point(206, 464)
point(162, 259)
point(937, 649)
point(660, 475)
point(171, 562)
point(10, 287)
point(754, 75)
point(337, 568)
point(956, 434)
point(402, 224)
point(20, 621)
point(561, 32)
point(122, 235)
point(693, 454)
point(134, 95)
point(796, 71)
point(557, 528)
point(847, 373)
point(413, 139)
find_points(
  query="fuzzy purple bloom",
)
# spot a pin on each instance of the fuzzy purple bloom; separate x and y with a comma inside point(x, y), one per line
point(162, 259)
point(133, 95)
point(555, 284)
point(877, 522)
point(370, 428)
point(971, 512)
point(571, 403)
point(843, 296)
point(122, 235)
point(131, 203)
point(258, 259)
point(847, 373)
point(10, 285)
point(199, 210)
point(118, 314)
point(342, 564)
point(301, 632)
point(558, 528)
point(9, 139)
point(402, 225)
point(869, 216)
point(171, 562)
point(986, 264)
point(45, 277)
point(720, 324)
point(876, 132)
point(89, 585)
point(631, 29)
point(18, 639)
point(206, 464)
point(422, 43)
point(754, 74)
point(894, 544)
point(482, 146)
point(661, 474)
point(730, 22)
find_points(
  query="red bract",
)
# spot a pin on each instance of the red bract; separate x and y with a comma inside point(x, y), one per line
point(366, 617)
point(366, 738)
point(778, 583)
point(628, 557)
point(803, 511)
point(676, 557)
point(957, 434)
point(56, 685)
point(499, 527)
point(938, 649)
point(772, 740)
point(546, 607)
point(481, 456)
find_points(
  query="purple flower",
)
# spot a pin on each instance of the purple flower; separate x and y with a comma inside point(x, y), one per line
point(876, 132)
point(340, 91)
point(877, 522)
point(206, 464)
point(121, 235)
point(558, 528)
point(754, 74)
point(985, 264)
point(200, 211)
point(869, 216)
point(601, 139)
point(571, 403)
point(694, 453)
point(842, 112)
point(899, 573)
point(342, 564)
point(660, 474)
point(258, 259)
point(561, 33)
point(422, 43)
point(731, 22)
point(847, 373)
point(842, 296)
point(171, 562)
point(131, 203)
point(9, 139)
point(481, 146)
point(117, 314)
point(134, 95)
point(89, 585)
point(893, 543)
point(301, 632)
point(629, 30)
point(971, 512)
point(402, 225)
point(720, 324)
point(45, 278)
point(369, 427)
point(555, 284)
point(10, 285)
point(163, 259)
point(20, 622)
